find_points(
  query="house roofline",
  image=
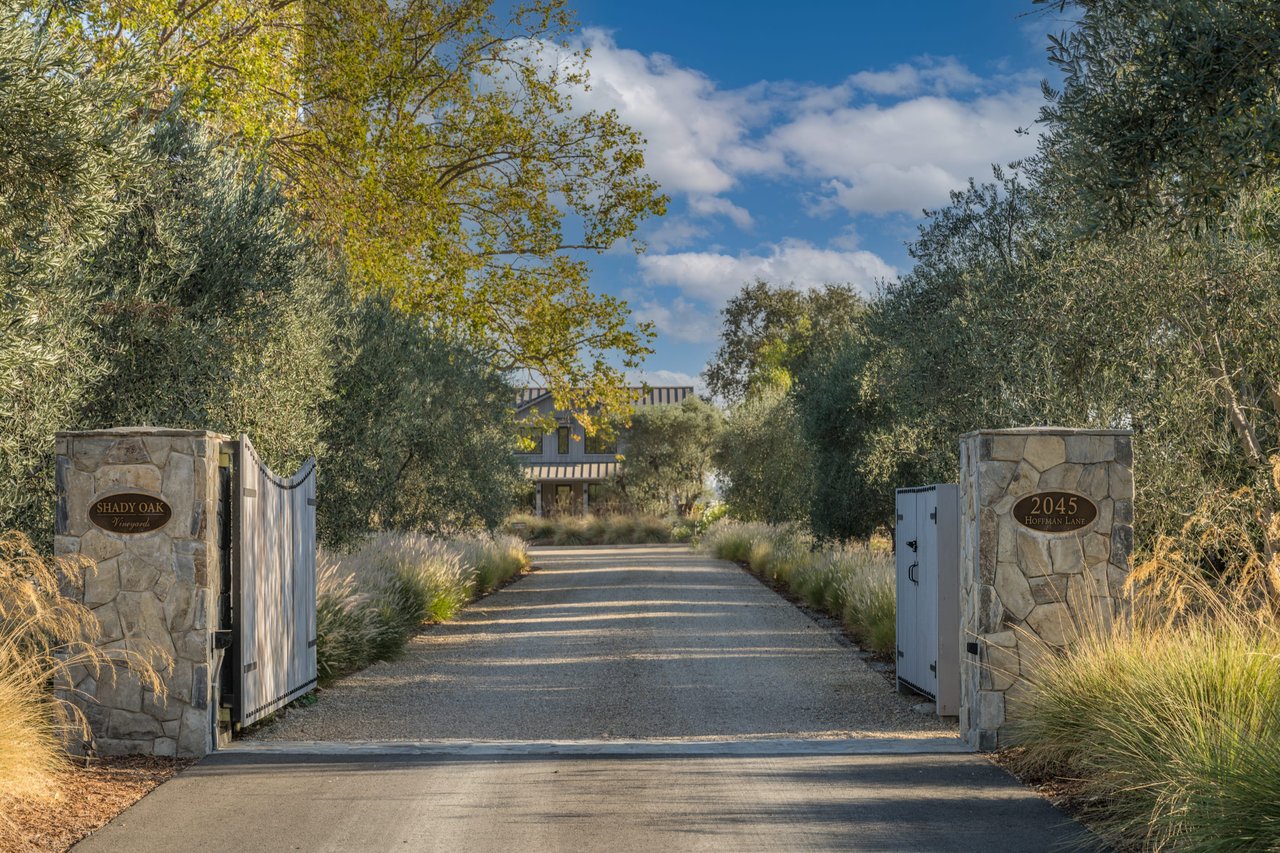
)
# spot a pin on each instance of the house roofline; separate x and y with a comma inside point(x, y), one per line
point(641, 394)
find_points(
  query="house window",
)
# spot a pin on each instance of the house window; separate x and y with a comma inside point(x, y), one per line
point(597, 444)
point(562, 440)
point(534, 435)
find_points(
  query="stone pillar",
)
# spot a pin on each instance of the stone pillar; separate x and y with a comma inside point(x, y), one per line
point(1045, 536)
point(142, 504)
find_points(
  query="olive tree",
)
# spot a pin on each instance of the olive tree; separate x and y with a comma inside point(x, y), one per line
point(762, 461)
point(68, 147)
point(667, 455)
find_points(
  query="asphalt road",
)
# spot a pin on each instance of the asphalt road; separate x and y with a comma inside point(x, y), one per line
point(627, 699)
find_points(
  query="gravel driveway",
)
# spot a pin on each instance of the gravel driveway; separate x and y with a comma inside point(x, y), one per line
point(617, 643)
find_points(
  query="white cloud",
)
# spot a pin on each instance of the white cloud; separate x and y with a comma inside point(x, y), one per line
point(674, 232)
point(697, 134)
point(681, 319)
point(713, 277)
point(714, 205)
point(930, 126)
point(848, 238)
point(907, 156)
point(928, 74)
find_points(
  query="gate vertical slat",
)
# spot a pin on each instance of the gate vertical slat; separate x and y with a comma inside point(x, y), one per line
point(278, 585)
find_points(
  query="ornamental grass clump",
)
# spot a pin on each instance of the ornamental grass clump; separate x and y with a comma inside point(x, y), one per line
point(491, 560)
point(1172, 735)
point(1168, 722)
point(602, 529)
point(852, 582)
point(370, 601)
point(46, 646)
point(732, 540)
point(572, 530)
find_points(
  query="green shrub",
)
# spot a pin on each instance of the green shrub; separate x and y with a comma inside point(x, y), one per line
point(708, 517)
point(71, 146)
point(438, 454)
point(215, 312)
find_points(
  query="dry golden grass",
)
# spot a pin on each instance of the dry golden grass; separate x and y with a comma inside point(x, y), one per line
point(44, 636)
point(1167, 724)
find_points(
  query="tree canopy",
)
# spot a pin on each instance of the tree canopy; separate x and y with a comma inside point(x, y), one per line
point(769, 331)
point(667, 456)
point(435, 147)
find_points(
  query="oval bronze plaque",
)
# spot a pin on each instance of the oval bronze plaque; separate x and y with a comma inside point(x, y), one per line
point(130, 512)
point(1055, 512)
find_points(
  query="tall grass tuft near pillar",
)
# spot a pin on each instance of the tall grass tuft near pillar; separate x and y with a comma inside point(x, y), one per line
point(852, 582)
point(1169, 722)
point(370, 601)
point(46, 639)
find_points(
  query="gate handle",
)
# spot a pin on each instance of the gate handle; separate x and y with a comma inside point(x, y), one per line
point(911, 573)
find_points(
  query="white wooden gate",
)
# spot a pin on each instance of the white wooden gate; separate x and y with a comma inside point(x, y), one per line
point(276, 588)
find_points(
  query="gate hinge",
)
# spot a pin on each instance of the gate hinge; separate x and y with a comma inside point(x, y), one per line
point(933, 667)
point(901, 654)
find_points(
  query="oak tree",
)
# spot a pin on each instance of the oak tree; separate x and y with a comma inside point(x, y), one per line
point(436, 147)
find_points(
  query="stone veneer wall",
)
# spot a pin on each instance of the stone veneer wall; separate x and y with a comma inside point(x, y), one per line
point(1018, 585)
point(157, 588)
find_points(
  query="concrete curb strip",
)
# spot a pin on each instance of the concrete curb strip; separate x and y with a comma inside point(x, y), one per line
point(757, 747)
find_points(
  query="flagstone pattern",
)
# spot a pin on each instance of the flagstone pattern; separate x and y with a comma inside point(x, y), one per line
point(1023, 591)
point(151, 592)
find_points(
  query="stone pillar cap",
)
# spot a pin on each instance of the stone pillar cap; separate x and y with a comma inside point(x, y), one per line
point(140, 431)
point(1046, 430)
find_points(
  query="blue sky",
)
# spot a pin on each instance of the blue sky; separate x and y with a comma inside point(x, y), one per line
point(799, 140)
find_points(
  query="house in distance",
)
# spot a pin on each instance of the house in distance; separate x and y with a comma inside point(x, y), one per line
point(567, 467)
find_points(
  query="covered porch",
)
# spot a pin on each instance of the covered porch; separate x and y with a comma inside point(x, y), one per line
point(567, 489)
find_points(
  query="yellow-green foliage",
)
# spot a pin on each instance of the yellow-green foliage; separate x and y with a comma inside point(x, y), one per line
point(1171, 719)
point(370, 601)
point(44, 637)
point(853, 582)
